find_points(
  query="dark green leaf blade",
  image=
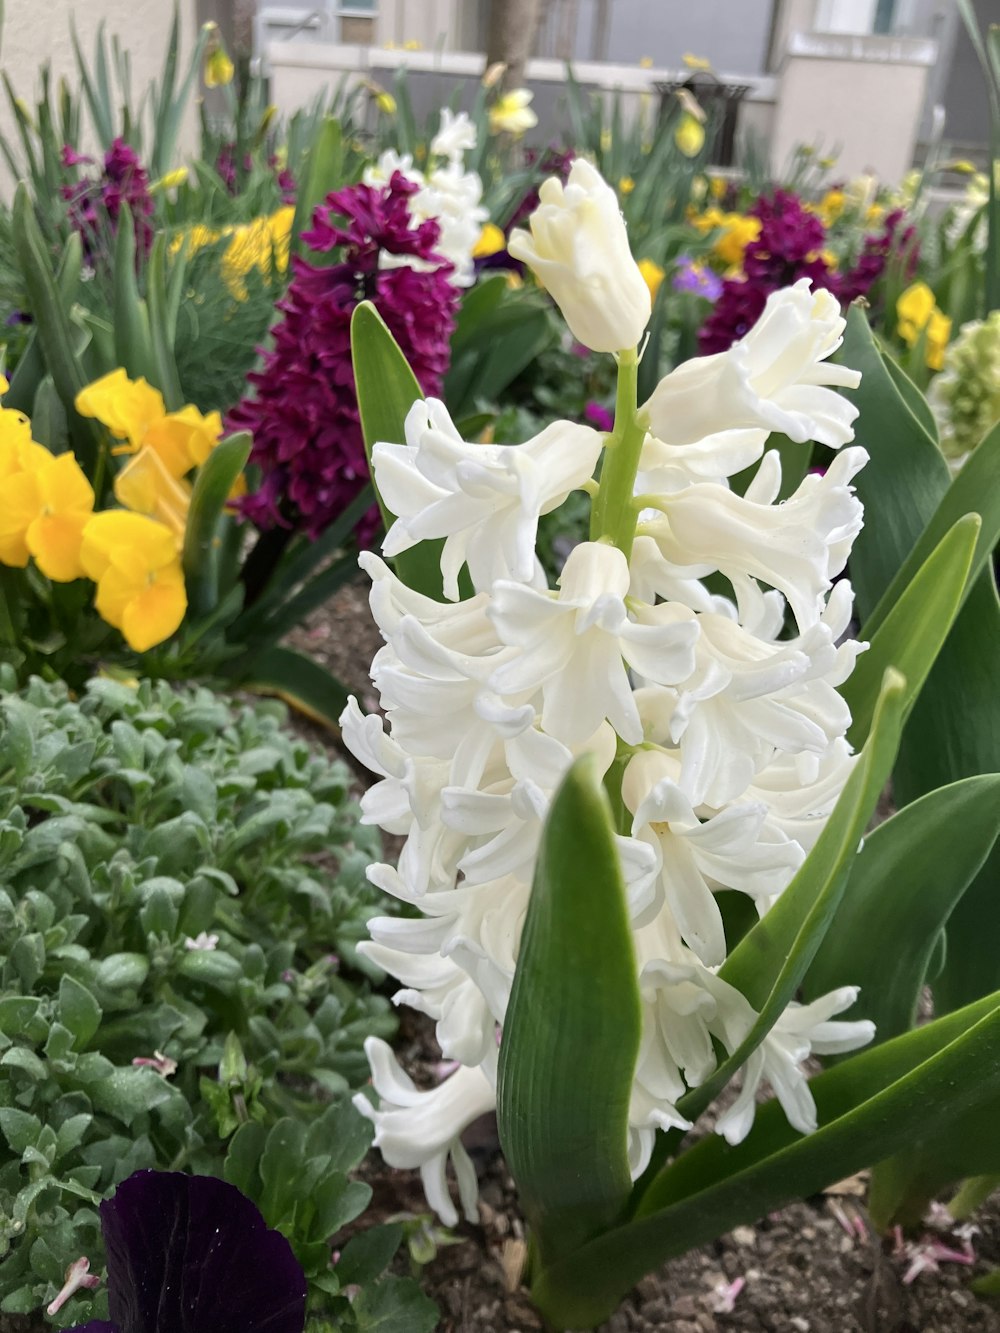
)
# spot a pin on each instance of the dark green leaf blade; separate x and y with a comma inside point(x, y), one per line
point(571, 1035)
point(902, 889)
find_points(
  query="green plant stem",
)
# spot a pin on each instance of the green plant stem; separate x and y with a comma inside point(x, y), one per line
point(614, 516)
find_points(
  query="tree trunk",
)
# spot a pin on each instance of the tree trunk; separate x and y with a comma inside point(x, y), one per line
point(513, 29)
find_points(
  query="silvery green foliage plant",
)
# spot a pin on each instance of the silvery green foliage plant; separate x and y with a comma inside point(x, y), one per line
point(181, 890)
point(633, 802)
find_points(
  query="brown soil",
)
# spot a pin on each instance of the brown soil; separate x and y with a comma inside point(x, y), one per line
point(805, 1268)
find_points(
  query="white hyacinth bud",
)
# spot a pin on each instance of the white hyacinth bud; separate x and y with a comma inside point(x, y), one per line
point(578, 250)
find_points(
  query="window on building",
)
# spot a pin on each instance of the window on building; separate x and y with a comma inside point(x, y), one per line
point(356, 20)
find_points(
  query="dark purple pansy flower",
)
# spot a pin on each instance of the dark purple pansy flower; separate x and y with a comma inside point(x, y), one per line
point(303, 414)
point(191, 1254)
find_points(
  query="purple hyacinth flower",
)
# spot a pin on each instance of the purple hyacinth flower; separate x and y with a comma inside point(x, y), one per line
point(193, 1255)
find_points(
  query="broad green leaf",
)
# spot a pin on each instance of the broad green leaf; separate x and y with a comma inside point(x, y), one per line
point(213, 485)
point(901, 890)
point(928, 1164)
point(866, 1106)
point(974, 490)
point(394, 1305)
point(571, 1035)
point(301, 682)
point(768, 964)
point(387, 389)
point(913, 631)
point(954, 732)
point(78, 1010)
point(905, 477)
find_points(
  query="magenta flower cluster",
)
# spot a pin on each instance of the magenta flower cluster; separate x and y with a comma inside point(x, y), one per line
point(787, 249)
point(226, 163)
point(95, 205)
point(303, 414)
point(790, 247)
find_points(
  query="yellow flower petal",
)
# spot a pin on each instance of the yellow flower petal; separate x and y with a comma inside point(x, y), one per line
point(653, 276)
point(219, 69)
point(117, 537)
point(22, 503)
point(156, 610)
point(146, 486)
point(127, 407)
point(66, 500)
point(491, 241)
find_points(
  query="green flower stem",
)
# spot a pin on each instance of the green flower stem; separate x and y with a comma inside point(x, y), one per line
point(613, 517)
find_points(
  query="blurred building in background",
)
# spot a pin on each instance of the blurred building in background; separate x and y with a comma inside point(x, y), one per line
point(876, 80)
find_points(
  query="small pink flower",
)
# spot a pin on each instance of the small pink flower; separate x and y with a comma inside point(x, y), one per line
point(163, 1064)
point(77, 1276)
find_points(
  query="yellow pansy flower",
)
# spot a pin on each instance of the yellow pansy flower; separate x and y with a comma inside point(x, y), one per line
point(184, 439)
point(512, 113)
point(127, 407)
point(917, 311)
point(65, 506)
point(652, 276)
point(491, 241)
point(140, 585)
point(146, 486)
point(20, 459)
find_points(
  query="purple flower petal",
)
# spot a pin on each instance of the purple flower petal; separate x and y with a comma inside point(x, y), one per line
point(193, 1255)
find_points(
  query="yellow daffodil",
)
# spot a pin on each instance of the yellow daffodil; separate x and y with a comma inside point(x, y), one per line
point(626, 185)
point(413, 45)
point(140, 585)
point(696, 62)
point(219, 69)
point(652, 275)
point(491, 241)
point(386, 103)
point(717, 186)
point(917, 315)
point(875, 213)
point(689, 135)
point(512, 113)
point(65, 506)
point(962, 165)
point(827, 162)
point(170, 181)
point(127, 407)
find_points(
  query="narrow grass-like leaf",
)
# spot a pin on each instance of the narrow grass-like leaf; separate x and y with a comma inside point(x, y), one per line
point(324, 171)
point(902, 888)
point(571, 1034)
point(866, 1106)
point(914, 630)
point(30, 369)
point(160, 331)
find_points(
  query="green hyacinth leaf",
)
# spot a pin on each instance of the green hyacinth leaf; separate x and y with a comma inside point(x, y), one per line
point(571, 1033)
